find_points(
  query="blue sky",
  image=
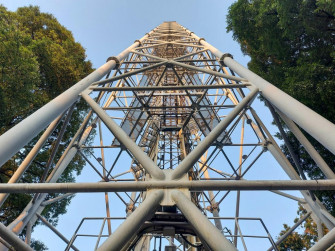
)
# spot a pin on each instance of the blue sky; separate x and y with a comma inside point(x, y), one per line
point(105, 28)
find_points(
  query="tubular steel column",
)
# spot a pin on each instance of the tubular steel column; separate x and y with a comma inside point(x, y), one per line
point(166, 100)
point(12, 239)
point(130, 226)
point(301, 114)
point(202, 225)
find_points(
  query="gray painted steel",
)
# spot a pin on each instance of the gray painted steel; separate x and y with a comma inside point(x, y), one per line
point(309, 120)
point(327, 241)
point(131, 225)
point(62, 163)
point(169, 88)
point(12, 239)
point(206, 230)
point(217, 185)
point(144, 159)
point(214, 73)
point(32, 154)
point(196, 153)
point(308, 146)
point(167, 187)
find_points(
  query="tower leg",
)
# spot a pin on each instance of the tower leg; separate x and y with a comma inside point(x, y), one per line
point(131, 225)
point(206, 230)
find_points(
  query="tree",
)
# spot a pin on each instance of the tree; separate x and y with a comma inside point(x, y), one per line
point(39, 59)
point(292, 45)
point(304, 240)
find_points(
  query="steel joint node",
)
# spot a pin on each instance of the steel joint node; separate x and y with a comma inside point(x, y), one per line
point(140, 44)
point(201, 39)
point(169, 64)
point(223, 57)
point(265, 145)
point(213, 207)
point(117, 61)
point(130, 208)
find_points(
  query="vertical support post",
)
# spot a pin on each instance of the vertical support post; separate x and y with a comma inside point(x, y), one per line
point(105, 177)
point(206, 230)
point(143, 244)
point(193, 240)
point(214, 205)
point(238, 192)
point(319, 228)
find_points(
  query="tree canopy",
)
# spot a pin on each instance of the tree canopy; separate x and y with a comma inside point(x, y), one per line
point(304, 240)
point(39, 59)
point(292, 45)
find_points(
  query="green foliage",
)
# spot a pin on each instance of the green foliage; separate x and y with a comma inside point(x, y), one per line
point(37, 245)
point(292, 45)
point(39, 59)
point(304, 240)
point(293, 242)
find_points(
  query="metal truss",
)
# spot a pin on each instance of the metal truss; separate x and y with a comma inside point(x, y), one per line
point(175, 132)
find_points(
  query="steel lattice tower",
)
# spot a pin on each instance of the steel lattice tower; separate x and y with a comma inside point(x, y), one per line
point(176, 132)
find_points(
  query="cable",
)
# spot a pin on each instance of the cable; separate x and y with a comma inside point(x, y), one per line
point(189, 243)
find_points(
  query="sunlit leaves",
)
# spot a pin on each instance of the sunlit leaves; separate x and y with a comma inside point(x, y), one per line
point(39, 59)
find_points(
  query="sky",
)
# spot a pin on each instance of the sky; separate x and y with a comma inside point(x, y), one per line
point(105, 28)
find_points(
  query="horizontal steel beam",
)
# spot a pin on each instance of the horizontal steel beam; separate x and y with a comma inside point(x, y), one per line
point(168, 107)
point(169, 88)
point(129, 74)
point(207, 71)
point(193, 68)
point(192, 185)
